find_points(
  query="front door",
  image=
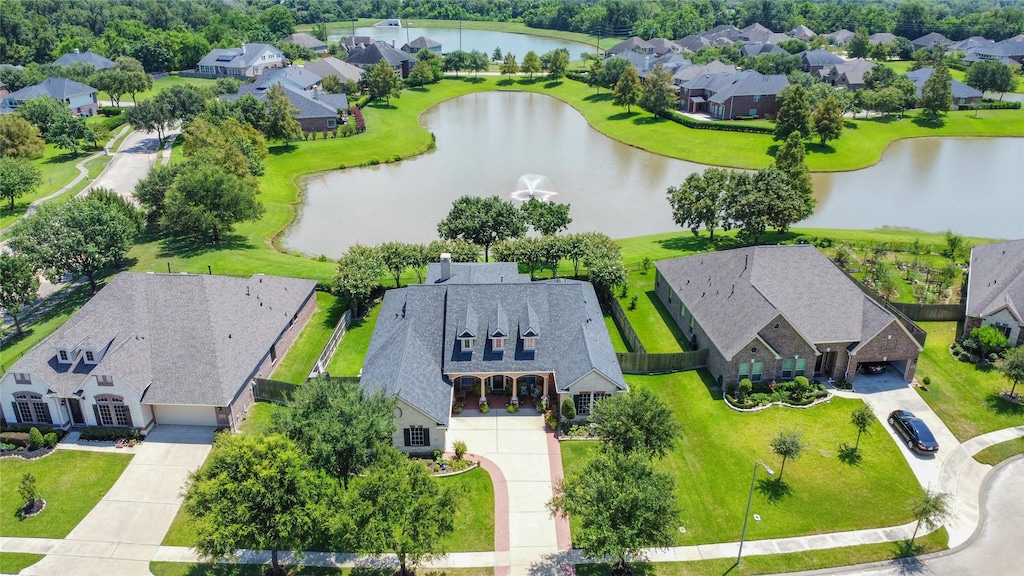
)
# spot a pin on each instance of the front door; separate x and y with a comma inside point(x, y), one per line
point(75, 407)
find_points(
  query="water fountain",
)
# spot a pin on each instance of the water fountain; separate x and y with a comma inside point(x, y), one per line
point(532, 186)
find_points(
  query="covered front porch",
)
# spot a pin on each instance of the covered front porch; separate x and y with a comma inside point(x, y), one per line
point(498, 391)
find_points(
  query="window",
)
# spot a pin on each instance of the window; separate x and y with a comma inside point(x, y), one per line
point(111, 411)
point(22, 378)
point(497, 343)
point(582, 402)
point(31, 408)
point(669, 297)
point(466, 344)
point(755, 372)
point(417, 436)
point(787, 367)
point(691, 322)
point(1004, 328)
point(63, 355)
point(105, 380)
point(757, 98)
point(889, 342)
point(529, 343)
point(90, 357)
point(744, 370)
point(752, 112)
point(332, 123)
point(682, 310)
point(801, 366)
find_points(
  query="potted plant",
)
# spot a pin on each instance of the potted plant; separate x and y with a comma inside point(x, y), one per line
point(484, 407)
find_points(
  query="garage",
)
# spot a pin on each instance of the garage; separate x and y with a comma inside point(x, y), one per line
point(185, 415)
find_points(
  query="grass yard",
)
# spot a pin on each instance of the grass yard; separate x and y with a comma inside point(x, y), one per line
point(819, 493)
point(70, 481)
point(618, 344)
point(57, 169)
point(158, 85)
point(49, 321)
point(302, 355)
point(182, 569)
point(964, 396)
point(474, 518)
point(651, 321)
point(996, 453)
point(780, 563)
point(348, 359)
point(14, 562)
point(903, 66)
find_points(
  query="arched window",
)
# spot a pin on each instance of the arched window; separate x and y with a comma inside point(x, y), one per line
point(111, 411)
point(29, 407)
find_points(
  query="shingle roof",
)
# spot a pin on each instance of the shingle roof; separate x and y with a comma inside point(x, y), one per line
point(332, 66)
point(820, 57)
point(996, 279)
point(693, 42)
point(298, 75)
point(352, 42)
point(931, 39)
point(242, 57)
point(98, 62)
point(758, 48)
point(664, 45)
point(476, 273)
point(630, 44)
point(971, 43)
point(733, 294)
point(960, 90)
point(726, 31)
point(306, 41)
point(802, 32)
point(421, 43)
point(376, 52)
point(314, 104)
point(840, 37)
point(688, 73)
point(58, 88)
point(173, 338)
point(881, 38)
point(748, 83)
point(414, 345)
point(854, 70)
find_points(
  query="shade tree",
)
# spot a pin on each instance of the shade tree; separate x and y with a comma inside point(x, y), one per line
point(700, 200)
point(531, 63)
point(790, 445)
point(658, 95)
point(937, 92)
point(281, 122)
point(206, 200)
point(627, 91)
point(546, 217)
point(827, 120)
point(635, 421)
point(17, 178)
point(793, 114)
point(1013, 367)
point(19, 138)
point(358, 276)
point(482, 221)
point(19, 286)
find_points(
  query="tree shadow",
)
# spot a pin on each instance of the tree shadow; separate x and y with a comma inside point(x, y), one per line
point(646, 120)
point(604, 97)
point(529, 81)
point(553, 84)
point(849, 455)
point(773, 150)
point(850, 125)
point(1003, 407)
point(505, 82)
point(383, 106)
point(924, 122)
point(713, 387)
point(623, 115)
point(774, 489)
point(476, 80)
point(191, 246)
point(820, 149)
point(62, 158)
point(907, 552)
point(423, 89)
point(689, 243)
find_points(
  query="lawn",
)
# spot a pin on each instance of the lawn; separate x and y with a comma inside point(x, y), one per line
point(474, 517)
point(14, 562)
point(819, 493)
point(963, 395)
point(348, 359)
point(302, 355)
point(616, 337)
point(649, 318)
point(158, 85)
point(996, 453)
point(182, 569)
point(259, 421)
point(57, 168)
point(49, 321)
point(70, 481)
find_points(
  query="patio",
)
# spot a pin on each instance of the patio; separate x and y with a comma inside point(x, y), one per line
point(525, 390)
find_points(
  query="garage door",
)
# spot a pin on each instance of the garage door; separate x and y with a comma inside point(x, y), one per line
point(186, 415)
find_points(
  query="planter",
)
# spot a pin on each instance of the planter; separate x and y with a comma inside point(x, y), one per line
point(32, 508)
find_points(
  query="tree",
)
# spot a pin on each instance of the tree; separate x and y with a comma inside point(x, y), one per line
point(612, 70)
point(398, 507)
point(765, 199)
point(496, 55)
point(545, 217)
point(117, 203)
point(338, 425)
point(627, 90)
point(382, 83)
point(42, 112)
point(509, 67)
point(658, 94)
point(827, 120)
point(235, 146)
point(19, 138)
point(27, 487)
point(790, 160)
point(859, 46)
point(280, 122)
point(432, 60)
point(67, 133)
point(594, 74)
point(455, 61)
point(955, 244)
point(478, 62)
point(482, 221)
point(278, 20)
point(793, 114)
point(461, 250)
point(181, 103)
point(558, 63)
point(112, 81)
point(990, 339)
point(254, 491)
point(149, 116)
point(937, 92)
point(151, 191)
point(19, 286)
point(1013, 367)
point(531, 63)
point(17, 178)
point(637, 420)
point(932, 510)
point(332, 84)
point(700, 200)
point(789, 445)
point(208, 200)
point(862, 418)
point(80, 237)
point(605, 273)
point(527, 251)
point(621, 505)
point(991, 76)
point(420, 75)
point(359, 272)
point(396, 257)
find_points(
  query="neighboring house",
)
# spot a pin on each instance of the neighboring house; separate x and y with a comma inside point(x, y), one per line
point(1008, 52)
point(686, 73)
point(81, 99)
point(693, 43)
point(153, 349)
point(644, 63)
point(664, 46)
point(307, 41)
point(802, 32)
point(246, 61)
point(758, 48)
point(634, 44)
point(317, 111)
point(353, 43)
point(930, 40)
point(814, 61)
point(374, 53)
point(850, 74)
point(296, 77)
point(389, 23)
point(972, 43)
point(726, 96)
point(331, 66)
point(840, 37)
point(995, 289)
point(962, 93)
point(755, 33)
point(777, 312)
point(473, 330)
point(98, 62)
point(727, 32)
point(422, 43)
point(881, 38)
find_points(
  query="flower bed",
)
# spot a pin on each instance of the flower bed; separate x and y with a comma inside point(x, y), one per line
point(577, 431)
point(799, 393)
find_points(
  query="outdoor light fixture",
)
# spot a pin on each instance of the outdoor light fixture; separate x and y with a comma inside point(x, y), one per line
point(750, 498)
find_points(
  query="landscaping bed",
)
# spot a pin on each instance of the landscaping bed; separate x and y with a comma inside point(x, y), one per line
point(20, 441)
point(798, 393)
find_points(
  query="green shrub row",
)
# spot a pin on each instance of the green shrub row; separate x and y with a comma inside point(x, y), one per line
point(33, 439)
point(702, 125)
point(112, 122)
point(14, 438)
point(109, 110)
point(100, 433)
point(991, 105)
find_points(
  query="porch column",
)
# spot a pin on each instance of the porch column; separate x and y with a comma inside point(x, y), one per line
point(483, 387)
point(545, 385)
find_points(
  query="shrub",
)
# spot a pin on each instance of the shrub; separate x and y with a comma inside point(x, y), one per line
point(746, 386)
point(14, 438)
point(551, 419)
point(109, 110)
point(35, 439)
point(460, 449)
point(800, 386)
point(927, 381)
point(27, 488)
point(568, 409)
point(989, 339)
point(760, 398)
point(50, 439)
point(632, 302)
point(100, 433)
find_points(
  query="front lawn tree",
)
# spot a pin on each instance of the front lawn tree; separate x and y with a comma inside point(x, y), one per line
point(398, 507)
point(932, 510)
point(827, 120)
point(793, 114)
point(382, 83)
point(358, 275)
point(482, 221)
point(420, 75)
point(69, 132)
point(700, 200)
point(19, 286)
point(1013, 368)
point(558, 63)
point(627, 90)
point(658, 94)
point(622, 506)
point(790, 445)
point(280, 123)
point(207, 200)
point(547, 218)
point(17, 178)
point(637, 420)
point(509, 67)
point(531, 63)
point(862, 418)
point(594, 78)
point(937, 92)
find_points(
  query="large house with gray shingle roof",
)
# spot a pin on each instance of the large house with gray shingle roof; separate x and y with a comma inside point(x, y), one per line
point(78, 97)
point(246, 61)
point(777, 312)
point(153, 349)
point(995, 289)
point(962, 93)
point(98, 62)
point(473, 331)
point(726, 96)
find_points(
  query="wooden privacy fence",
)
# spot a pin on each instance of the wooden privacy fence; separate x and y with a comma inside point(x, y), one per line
point(628, 334)
point(332, 345)
point(932, 312)
point(643, 363)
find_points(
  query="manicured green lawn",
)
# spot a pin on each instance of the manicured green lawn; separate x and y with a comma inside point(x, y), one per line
point(651, 321)
point(70, 481)
point(182, 569)
point(820, 493)
point(302, 355)
point(260, 419)
point(903, 66)
point(996, 453)
point(158, 85)
point(57, 169)
point(348, 359)
point(14, 562)
point(964, 396)
point(48, 322)
point(616, 337)
point(474, 518)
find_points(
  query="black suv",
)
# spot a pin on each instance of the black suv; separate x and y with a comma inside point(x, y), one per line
point(914, 431)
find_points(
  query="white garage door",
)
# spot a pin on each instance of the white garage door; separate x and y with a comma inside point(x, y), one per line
point(186, 415)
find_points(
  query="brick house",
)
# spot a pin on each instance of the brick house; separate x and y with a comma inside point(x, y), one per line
point(995, 289)
point(153, 349)
point(962, 93)
point(777, 312)
point(726, 96)
point(849, 75)
point(317, 111)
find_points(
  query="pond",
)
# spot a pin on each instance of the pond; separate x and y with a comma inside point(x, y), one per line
point(487, 141)
point(483, 40)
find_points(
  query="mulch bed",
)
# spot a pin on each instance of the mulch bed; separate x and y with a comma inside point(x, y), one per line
point(32, 508)
point(26, 454)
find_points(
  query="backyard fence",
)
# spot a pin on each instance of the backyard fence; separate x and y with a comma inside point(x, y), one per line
point(628, 334)
point(643, 363)
point(332, 345)
point(916, 332)
point(932, 312)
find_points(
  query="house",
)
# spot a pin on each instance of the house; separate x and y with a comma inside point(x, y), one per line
point(331, 66)
point(850, 74)
point(246, 61)
point(686, 73)
point(962, 93)
point(307, 41)
point(80, 98)
point(802, 32)
point(296, 77)
point(726, 32)
point(634, 44)
point(693, 43)
point(373, 53)
point(422, 43)
point(881, 38)
point(840, 37)
point(98, 62)
point(389, 23)
point(153, 349)
point(972, 43)
point(352, 43)
point(317, 111)
point(1008, 52)
point(483, 331)
point(813, 61)
point(755, 33)
point(726, 96)
point(758, 48)
point(777, 312)
point(995, 289)
point(930, 40)
point(664, 46)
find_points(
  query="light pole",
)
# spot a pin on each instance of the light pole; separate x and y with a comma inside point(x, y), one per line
point(750, 498)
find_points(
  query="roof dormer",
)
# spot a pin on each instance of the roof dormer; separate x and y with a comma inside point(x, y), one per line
point(66, 355)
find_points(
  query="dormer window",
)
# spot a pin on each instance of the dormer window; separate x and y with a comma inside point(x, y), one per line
point(63, 356)
point(90, 357)
point(530, 343)
point(466, 344)
point(497, 343)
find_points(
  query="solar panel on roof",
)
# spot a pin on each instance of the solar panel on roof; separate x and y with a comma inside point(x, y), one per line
point(225, 58)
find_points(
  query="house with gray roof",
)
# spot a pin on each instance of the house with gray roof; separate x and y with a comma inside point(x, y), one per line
point(758, 48)
point(98, 62)
point(353, 43)
point(634, 44)
point(813, 61)
point(849, 75)
point(693, 43)
point(686, 73)
point(726, 96)
point(318, 112)
point(995, 289)
point(78, 97)
point(802, 32)
point(840, 37)
point(307, 41)
point(246, 61)
point(962, 93)
point(422, 43)
point(152, 349)
point(475, 332)
point(881, 38)
point(931, 40)
point(777, 312)
point(1008, 52)
point(373, 53)
point(664, 46)
point(331, 66)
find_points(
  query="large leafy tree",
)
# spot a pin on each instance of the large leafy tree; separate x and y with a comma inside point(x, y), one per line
point(793, 114)
point(396, 257)
point(478, 62)
point(398, 507)
point(790, 160)
point(420, 75)
point(636, 421)
point(382, 83)
point(482, 221)
point(612, 71)
point(19, 138)
point(790, 445)
point(42, 112)
point(254, 491)
point(68, 132)
point(338, 425)
point(859, 46)
point(509, 67)
point(558, 63)
point(150, 116)
point(594, 74)
point(1013, 367)
point(233, 145)
point(937, 92)
point(208, 200)
point(658, 95)
point(762, 200)
point(527, 251)
point(19, 286)
point(531, 63)
point(17, 178)
point(280, 123)
point(827, 120)
point(621, 505)
point(700, 200)
point(991, 76)
point(455, 61)
point(359, 272)
point(546, 217)
point(627, 90)
point(151, 191)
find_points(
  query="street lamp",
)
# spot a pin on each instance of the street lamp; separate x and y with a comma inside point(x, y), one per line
point(750, 498)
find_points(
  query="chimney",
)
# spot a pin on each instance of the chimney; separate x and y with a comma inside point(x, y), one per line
point(76, 51)
point(446, 266)
point(392, 42)
point(243, 47)
point(316, 93)
point(647, 63)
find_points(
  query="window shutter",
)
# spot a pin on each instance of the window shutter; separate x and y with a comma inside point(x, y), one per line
point(96, 412)
point(576, 402)
point(426, 437)
point(17, 415)
point(408, 439)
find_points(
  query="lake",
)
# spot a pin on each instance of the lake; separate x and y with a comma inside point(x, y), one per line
point(482, 40)
point(487, 141)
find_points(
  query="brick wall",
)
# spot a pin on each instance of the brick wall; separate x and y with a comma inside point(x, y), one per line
point(767, 107)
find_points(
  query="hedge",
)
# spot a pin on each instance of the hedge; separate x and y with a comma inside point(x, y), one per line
point(100, 433)
point(109, 110)
point(703, 125)
point(112, 122)
point(14, 438)
point(991, 105)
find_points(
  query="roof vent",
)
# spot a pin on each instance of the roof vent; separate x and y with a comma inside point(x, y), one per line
point(733, 289)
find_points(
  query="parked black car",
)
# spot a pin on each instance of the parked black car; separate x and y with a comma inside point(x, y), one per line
point(914, 431)
point(873, 367)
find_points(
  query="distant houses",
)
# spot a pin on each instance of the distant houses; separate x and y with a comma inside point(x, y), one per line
point(727, 96)
point(995, 289)
point(98, 62)
point(849, 75)
point(246, 61)
point(78, 97)
point(331, 66)
point(814, 61)
point(317, 110)
point(422, 43)
point(378, 51)
point(307, 41)
point(962, 93)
